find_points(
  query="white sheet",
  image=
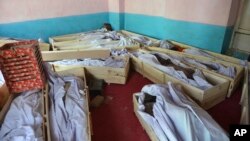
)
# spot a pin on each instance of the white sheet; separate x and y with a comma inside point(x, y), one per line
point(179, 118)
point(108, 62)
point(23, 121)
point(68, 110)
point(198, 78)
point(122, 52)
point(227, 71)
point(105, 39)
point(2, 81)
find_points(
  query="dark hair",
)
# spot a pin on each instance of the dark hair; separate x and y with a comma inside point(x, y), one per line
point(107, 26)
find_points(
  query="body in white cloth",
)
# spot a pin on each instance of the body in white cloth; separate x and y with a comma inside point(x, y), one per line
point(176, 117)
point(68, 108)
point(198, 80)
point(23, 121)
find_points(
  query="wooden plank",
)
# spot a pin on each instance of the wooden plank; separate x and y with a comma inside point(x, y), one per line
point(46, 123)
point(6, 107)
point(205, 98)
point(108, 79)
point(60, 55)
point(67, 37)
point(244, 119)
point(145, 126)
point(4, 41)
point(89, 126)
point(44, 46)
point(152, 74)
point(4, 95)
point(244, 101)
point(79, 72)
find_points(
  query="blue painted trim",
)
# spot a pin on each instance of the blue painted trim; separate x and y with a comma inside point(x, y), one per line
point(211, 37)
point(205, 36)
point(117, 20)
point(46, 28)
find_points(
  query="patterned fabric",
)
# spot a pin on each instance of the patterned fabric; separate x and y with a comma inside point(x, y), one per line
point(21, 64)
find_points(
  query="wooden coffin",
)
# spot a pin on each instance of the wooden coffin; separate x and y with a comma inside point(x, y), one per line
point(79, 72)
point(45, 124)
point(149, 130)
point(74, 42)
point(109, 74)
point(46, 127)
point(216, 55)
point(234, 82)
point(205, 98)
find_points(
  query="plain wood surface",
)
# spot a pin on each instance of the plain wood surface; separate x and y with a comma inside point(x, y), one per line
point(4, 94)
point(244, 101)
point(73, 54)
point(145, 126)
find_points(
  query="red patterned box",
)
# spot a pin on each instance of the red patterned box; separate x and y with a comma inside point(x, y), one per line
point(21, 65)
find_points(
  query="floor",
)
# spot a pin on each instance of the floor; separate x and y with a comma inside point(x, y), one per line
point(116, 121)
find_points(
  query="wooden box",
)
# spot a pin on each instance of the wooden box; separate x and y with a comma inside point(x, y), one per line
point(44, 46)
point(216, 56)
point(234, 82)
point(74, 42)
point(79, 72)
point(46, 127)
point(149, 130)
point(45, 124)
point(109, 74)
point(205, 98)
